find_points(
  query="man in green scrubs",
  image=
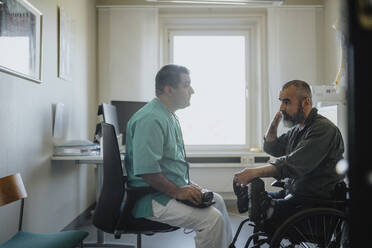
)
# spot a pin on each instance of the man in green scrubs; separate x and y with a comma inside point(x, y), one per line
point(156, 158)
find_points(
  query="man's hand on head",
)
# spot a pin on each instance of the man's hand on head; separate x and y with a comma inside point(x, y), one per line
point(271, 133)
point(277, 118)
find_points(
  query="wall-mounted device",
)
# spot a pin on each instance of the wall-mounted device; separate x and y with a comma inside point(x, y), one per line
point(57, 119)
point(330, 100)
point(328, 93)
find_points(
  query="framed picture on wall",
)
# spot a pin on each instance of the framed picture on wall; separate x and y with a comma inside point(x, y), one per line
point(20, 39)
point(64, 45)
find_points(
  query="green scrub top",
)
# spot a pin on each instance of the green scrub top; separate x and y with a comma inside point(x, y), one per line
point(154, 144)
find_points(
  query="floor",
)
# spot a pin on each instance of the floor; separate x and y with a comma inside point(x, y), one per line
point(175, 239)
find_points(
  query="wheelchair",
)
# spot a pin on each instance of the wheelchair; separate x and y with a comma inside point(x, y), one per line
point(315, 223)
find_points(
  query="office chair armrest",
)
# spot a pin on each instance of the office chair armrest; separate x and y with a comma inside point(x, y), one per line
point(278, 183)
point(138, 192)
point(133, 195)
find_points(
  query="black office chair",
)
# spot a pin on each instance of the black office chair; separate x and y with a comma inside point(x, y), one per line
point(109, 215)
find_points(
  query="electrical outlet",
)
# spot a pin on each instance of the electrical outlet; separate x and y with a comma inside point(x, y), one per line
point(246, 159)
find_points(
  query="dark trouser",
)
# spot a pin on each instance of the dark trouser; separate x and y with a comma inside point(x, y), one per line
point(278, 194)
point(283, 209)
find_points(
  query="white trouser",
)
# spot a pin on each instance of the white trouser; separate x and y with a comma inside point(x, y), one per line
point(211, 225)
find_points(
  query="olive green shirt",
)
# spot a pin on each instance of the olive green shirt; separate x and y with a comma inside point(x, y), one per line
point(154, 144)
point(308, 156)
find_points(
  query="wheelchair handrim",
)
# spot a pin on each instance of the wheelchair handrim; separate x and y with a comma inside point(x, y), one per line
point(302, 216)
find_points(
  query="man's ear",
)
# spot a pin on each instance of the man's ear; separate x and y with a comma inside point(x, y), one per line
point(168, 90)
point(306, 102)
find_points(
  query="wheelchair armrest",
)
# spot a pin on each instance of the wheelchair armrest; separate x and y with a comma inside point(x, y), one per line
point(317, 202)
point(278, 183)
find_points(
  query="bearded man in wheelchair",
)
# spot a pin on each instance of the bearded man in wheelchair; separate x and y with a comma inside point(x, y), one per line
point(306, 158)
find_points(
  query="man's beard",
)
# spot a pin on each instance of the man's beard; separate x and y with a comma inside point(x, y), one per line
point(290, 121)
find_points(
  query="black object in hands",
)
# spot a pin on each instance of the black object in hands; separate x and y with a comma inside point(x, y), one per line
point(241, 193)
point(207, 200)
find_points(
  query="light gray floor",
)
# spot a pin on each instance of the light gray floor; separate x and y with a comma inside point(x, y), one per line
point(175, 239)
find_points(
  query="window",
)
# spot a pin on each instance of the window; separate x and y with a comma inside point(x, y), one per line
point(225, 57)
point(217, 115)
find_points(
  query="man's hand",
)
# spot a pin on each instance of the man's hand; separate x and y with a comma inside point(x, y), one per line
point(191, 193)
point(271, 133)
point(277, 118)
point(245, 176)
point(196, 185)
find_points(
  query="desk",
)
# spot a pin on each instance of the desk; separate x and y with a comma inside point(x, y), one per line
point(98, 161)
point(91, 159)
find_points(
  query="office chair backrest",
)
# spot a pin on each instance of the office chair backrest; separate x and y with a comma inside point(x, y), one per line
point(11, 189)
point(107, 211)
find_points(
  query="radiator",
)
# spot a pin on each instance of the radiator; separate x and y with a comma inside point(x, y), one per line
point(215, 172)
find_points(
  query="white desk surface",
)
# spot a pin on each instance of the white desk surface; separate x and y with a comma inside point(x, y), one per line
point(89, 158)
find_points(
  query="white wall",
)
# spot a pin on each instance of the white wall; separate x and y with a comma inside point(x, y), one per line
point(332, 45)
point(57, 192)
point(128, 53)
point(334, 53)
point(295, 48)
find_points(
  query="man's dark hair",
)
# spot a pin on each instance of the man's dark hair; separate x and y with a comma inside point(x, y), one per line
point(302, 88)
point(169, 75)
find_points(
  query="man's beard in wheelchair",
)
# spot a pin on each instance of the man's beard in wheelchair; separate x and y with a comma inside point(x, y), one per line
point(290, 121)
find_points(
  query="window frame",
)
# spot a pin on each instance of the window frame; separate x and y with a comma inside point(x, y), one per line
point(253, 28)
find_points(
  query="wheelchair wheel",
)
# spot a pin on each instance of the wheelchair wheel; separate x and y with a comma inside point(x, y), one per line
point(315, 227)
